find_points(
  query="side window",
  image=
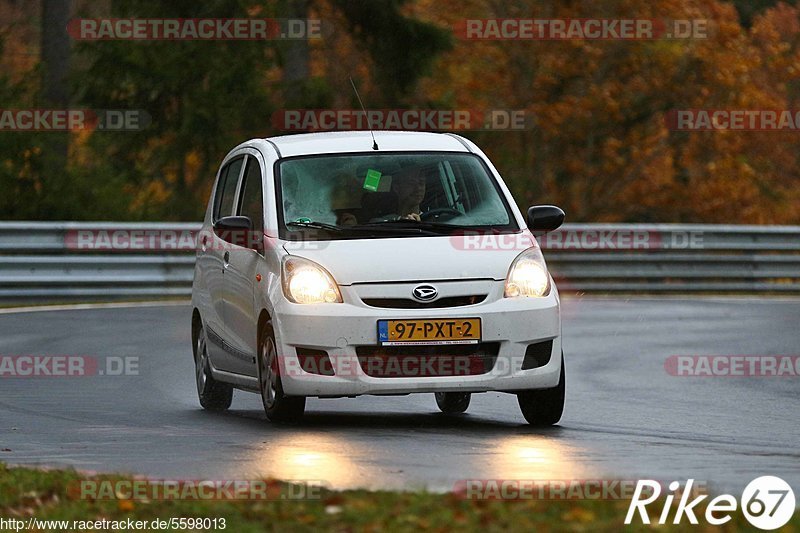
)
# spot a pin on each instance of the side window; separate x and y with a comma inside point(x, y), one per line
point(218, 192)
point(251, 203)
point(226, 189)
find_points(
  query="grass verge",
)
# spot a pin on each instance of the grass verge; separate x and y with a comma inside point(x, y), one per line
point(56, 495)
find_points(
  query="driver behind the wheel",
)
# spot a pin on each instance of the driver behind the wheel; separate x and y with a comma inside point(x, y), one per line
point(400, 202)
point(409, 186)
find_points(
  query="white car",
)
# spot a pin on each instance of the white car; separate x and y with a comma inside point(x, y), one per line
point(336, 265)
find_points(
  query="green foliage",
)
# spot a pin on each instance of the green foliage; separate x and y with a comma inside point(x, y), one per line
point(599, 148)
point(19, 157)
point(204, 98)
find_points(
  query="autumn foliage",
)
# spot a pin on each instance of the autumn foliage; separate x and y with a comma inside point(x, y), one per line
point(599, 147)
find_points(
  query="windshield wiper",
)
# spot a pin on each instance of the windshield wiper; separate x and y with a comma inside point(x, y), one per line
point(362, 228)
point(437, 228)
point(315, 225)
point(440, 228)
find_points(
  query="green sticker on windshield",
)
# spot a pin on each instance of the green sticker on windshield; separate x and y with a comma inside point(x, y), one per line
point(372, 181)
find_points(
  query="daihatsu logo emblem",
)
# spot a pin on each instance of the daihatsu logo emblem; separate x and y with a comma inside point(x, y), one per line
point(425, 293)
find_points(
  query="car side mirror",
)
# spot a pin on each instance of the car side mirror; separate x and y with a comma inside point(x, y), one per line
point(544, 218)
point(238, 230)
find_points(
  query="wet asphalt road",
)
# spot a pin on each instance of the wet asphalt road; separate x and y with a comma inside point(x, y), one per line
point(626, 417)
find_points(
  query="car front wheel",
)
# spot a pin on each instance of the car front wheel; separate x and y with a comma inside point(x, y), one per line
point(544, 407)
point(278, 406)
point(213, 395)
point(452, 403)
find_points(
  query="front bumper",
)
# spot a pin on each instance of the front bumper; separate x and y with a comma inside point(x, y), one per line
point(338, 329)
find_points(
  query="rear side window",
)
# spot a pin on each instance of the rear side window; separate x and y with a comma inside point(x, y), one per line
point(251, 204)
point(226, 188)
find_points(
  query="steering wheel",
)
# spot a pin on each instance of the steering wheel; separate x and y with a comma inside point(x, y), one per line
point(441, 212)
point(384, 218)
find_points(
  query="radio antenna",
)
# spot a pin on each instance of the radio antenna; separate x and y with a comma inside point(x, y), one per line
point(374, 142)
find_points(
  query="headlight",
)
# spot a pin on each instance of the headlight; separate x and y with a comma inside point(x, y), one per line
point(528, 275)
point(306, 282)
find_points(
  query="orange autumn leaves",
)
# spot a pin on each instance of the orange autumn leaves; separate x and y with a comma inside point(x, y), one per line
point(601, 147)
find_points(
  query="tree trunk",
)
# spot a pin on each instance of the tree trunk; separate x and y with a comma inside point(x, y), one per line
point(296, 58)
point(55, 52)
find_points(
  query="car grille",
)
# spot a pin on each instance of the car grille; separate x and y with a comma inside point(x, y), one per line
point(407, 303)
point(427, 361)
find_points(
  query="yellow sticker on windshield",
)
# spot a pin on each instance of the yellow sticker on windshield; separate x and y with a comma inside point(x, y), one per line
point(372, 181)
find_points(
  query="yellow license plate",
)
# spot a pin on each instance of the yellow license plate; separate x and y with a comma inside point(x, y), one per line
point(429, 331)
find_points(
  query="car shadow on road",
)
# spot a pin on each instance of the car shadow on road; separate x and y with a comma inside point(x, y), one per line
point(348, 421)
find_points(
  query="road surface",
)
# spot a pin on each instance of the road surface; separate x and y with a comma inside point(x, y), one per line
point(626, 417)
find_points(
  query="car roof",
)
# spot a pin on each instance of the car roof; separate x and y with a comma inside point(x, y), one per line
point(361, 141)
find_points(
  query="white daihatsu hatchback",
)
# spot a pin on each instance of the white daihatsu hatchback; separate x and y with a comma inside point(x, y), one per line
point(333, 265)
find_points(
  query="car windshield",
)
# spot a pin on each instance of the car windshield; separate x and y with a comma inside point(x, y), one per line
point(389, 194)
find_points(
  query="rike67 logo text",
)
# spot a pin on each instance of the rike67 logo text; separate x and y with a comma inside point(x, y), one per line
point(767, 502)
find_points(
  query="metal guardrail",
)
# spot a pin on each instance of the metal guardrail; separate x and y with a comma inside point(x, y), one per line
point(680, 258)
point(44, 261)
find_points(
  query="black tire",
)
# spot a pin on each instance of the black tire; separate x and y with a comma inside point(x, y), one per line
point(544, 407)
point(277, 406)
point(453, 403)
point(214, 395)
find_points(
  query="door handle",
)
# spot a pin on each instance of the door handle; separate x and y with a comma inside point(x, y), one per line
point(226, 258)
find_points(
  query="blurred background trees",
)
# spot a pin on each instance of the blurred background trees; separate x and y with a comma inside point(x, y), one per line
point(599, 147)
